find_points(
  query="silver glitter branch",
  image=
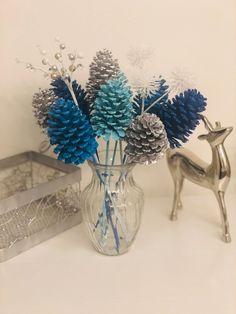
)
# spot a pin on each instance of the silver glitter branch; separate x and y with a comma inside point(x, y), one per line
point(145, 84)
point(58, 70)
point(157, 101)
point(179, 82)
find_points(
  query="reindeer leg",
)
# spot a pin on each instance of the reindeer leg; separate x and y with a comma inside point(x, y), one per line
point(225, 223)
point(176, 202)
point(181, 182)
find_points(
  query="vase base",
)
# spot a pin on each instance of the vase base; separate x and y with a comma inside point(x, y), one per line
point(112, 253)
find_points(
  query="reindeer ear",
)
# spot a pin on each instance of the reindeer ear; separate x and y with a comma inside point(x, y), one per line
point(202, 137)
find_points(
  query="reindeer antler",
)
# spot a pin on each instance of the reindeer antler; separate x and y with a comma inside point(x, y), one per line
point(207, 123)
point(218, 124)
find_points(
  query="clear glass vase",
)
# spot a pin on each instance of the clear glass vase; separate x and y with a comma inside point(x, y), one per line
point(112, 207)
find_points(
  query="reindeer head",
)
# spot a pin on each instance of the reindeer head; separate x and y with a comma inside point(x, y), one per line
point(216, 135)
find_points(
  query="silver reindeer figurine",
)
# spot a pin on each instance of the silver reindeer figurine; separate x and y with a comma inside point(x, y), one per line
point(215, 176)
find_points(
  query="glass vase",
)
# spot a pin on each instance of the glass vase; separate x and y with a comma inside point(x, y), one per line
point(112, 207)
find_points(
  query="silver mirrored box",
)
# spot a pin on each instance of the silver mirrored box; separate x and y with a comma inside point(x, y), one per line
point(39, 198)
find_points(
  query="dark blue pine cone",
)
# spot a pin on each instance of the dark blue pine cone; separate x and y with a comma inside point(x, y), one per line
point(71, 132)
point(61, 90)
point(181, 115)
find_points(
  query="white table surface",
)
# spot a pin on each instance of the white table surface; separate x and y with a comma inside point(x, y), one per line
point(179, 267)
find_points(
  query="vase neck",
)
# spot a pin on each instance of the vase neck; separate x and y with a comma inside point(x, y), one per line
point(107, 168)
point(111, 176)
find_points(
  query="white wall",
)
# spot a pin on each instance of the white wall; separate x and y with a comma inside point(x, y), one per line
point(195, 34)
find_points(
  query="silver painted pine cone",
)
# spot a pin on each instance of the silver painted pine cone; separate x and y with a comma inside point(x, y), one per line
point(42, 101)
point(103, 68)
point(146, 139)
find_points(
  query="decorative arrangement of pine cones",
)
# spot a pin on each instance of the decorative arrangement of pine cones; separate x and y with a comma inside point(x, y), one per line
point(136, 123)
point(144, 122)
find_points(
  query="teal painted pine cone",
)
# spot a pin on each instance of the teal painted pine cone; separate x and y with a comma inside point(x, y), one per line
point(112, 112)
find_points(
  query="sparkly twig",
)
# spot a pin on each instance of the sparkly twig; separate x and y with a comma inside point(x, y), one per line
point(156, 101)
